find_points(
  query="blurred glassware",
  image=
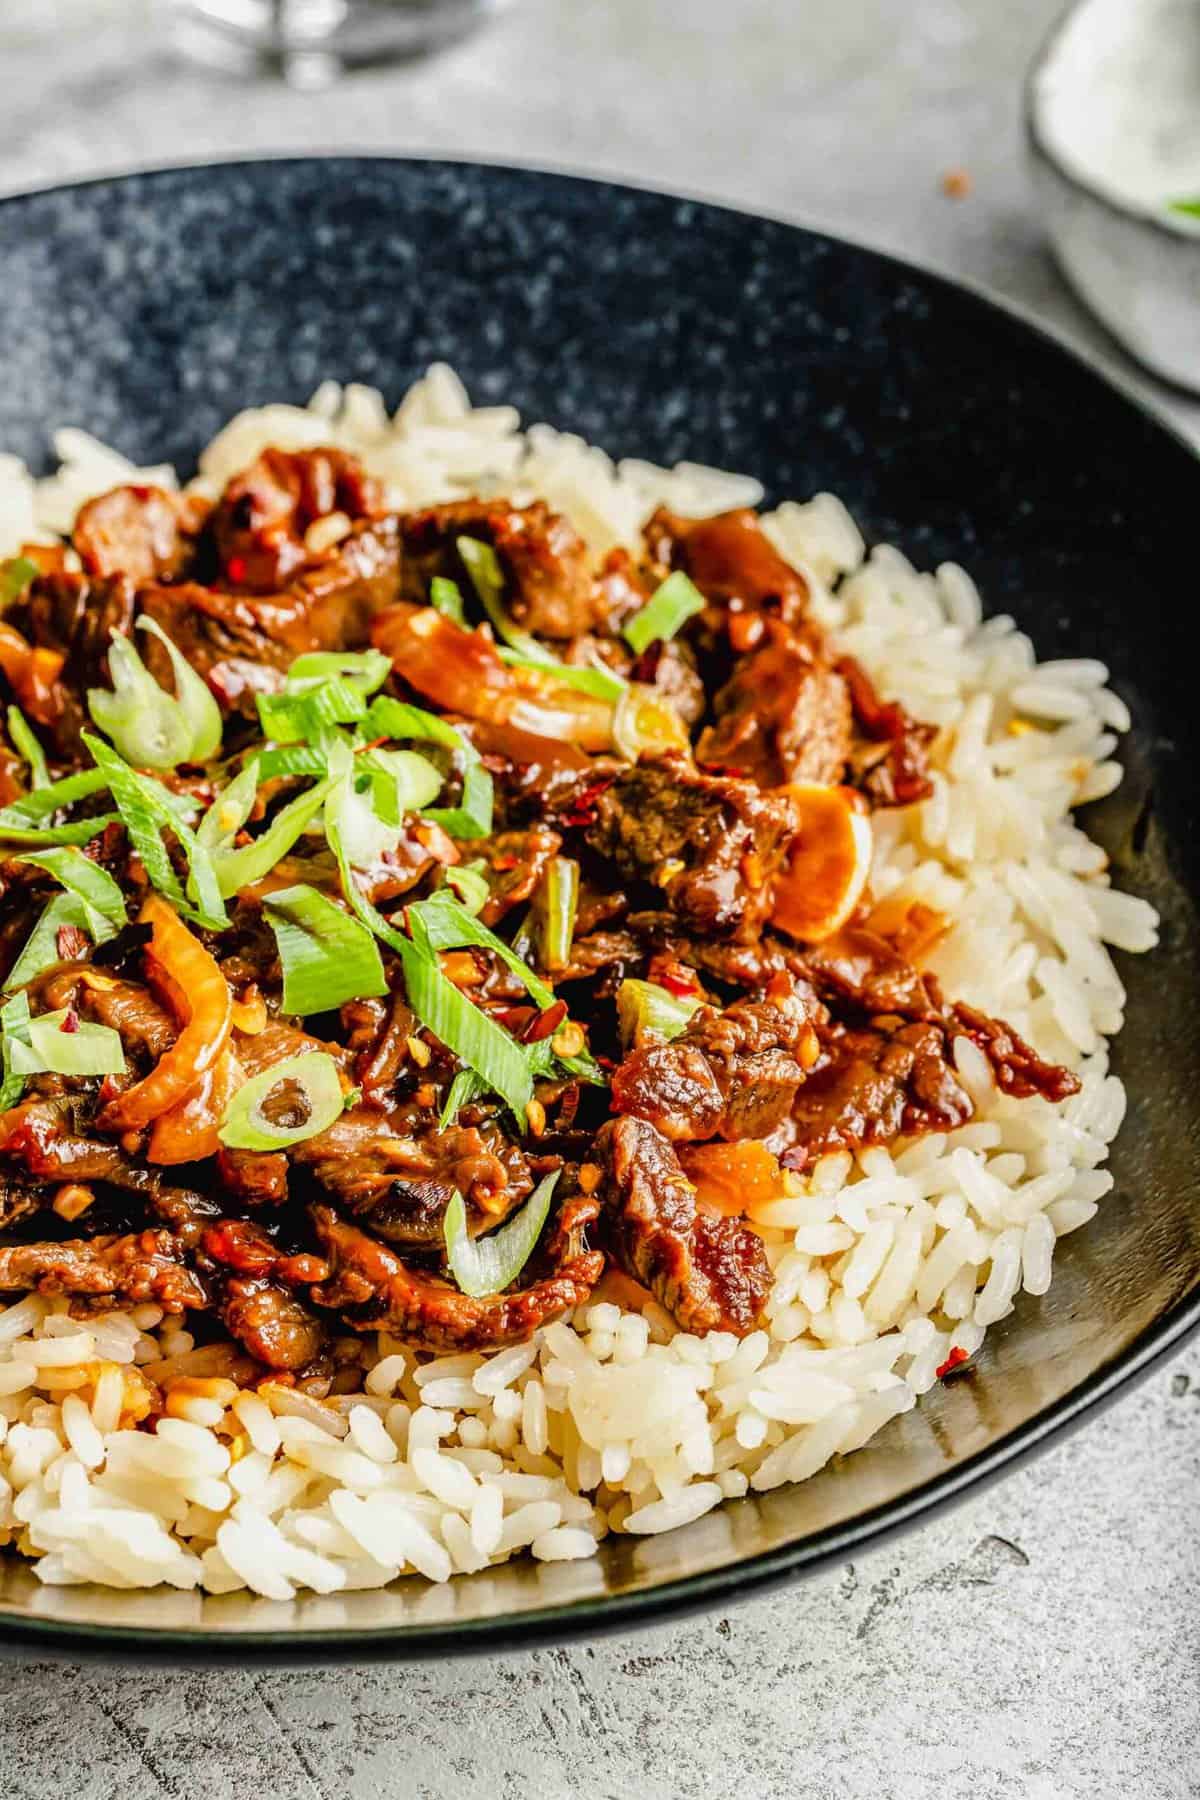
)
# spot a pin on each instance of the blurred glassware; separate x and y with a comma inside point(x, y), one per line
point(310, 42)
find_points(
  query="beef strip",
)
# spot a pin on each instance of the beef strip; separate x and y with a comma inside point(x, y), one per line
point(515, 863)
point(275, 1327)
point(783, 715)
point(532, 774)
point(253, 1279)
point(260, 522)
point(710, 843)
point(243, 643)
point(1017, 1067)
point(890, 761)
point(140, 1266)
point(734, 565)
point(731, 1074)
point(398, 1175)
point(42, 1136)
point(860, 975)
point(74, 616)
point(553, 589)
point(876, 1083)
point(145, 533)
point(374, 1290)
point(710, 1273)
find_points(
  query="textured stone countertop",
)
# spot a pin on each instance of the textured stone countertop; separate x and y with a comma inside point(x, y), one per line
point(1042, 1641)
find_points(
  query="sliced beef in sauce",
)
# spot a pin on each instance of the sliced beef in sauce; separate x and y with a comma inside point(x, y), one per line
point(890, 760)
point(144, 533)
point(783, 715)
point(244, 643)
point(275, 1327)
point(731, 1074)
point(1017, 1067)
point(73, 617)
point(553, 589)
point(373, 1289)
point(140, 1266)
point(735, 566)
point(710, 1273)
point(515, 862)
point(267, 513)
point(710, 843)
point(398, 1174)
point(873, 1084)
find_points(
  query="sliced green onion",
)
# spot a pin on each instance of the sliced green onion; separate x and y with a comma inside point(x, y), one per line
point(524, 650)
point(1189, 208)
point(285, 760)
point(488, 1265)
point(150, 727)
point(487, 578)
point(147, 809)
point(15, 830)
point(643, 1006)
point(15, 576)
point(230, 810)
point(593, 678)
point(390, 718)
point(669, 607)
point(472, 817)
point(192, 696)
point(40, 950)
point(43, 802)
point(365, 670)
point(61, 1043)
point(14, 1033)
point(470, 884)
point(445, 596)
point(306, 717)
point(328, 955)
point(644, 724)
point(415, 780)
point(466, 1086)
point(237, 869)
point(86, 879)
point(554, 910)
point(469, 1033)
point(28, 747)
point(246, 1125)
point(447, 925)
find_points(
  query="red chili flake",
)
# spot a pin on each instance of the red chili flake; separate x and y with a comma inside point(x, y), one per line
point(501, 863)
point(606, 1062)
point(583, 808)
point(677, 984)
point(547, 1023)
point(70, 1023)
point(235, 568)
point(956, 1357)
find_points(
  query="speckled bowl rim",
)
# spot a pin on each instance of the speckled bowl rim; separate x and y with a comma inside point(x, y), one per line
point(754, 1574)
point(1162, 226)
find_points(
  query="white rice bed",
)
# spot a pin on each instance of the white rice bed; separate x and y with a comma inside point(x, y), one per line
point(883, 1264)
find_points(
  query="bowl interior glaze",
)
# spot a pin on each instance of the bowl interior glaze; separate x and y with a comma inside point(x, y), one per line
point(150, 308)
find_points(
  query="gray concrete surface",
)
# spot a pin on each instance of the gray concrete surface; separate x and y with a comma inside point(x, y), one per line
point(1041, 1642)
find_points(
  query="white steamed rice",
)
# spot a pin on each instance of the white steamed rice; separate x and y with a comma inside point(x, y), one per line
point(884, 1264)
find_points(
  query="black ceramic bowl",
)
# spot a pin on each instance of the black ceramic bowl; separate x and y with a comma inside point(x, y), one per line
point(149, 309)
